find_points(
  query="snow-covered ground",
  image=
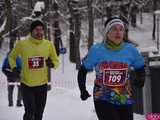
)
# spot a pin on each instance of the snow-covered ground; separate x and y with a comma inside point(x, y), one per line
point(63, 101)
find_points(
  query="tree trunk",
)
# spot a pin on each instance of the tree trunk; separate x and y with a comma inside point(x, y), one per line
point(8, 22)
point(154, 19)
point(77, 39)
point(57, 30)
point(13, 32)
point(57, 37)
point(72, 41)
point(30, 4)
point(72, 53)
point(46, 5)
point(154, 27)
point(91, 24)
point(134, 16)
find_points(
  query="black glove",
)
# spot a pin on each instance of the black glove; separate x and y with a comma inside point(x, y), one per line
point(84, 95)
point(49, 87)
point(138, 77)
point(16, 73)
point(49, 63)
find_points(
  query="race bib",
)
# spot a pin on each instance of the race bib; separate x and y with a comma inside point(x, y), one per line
point(36, 62)
point(115, 77)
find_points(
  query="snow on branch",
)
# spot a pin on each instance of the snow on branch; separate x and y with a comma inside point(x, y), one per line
point(12, 31)
point(39, 6)
point(3, 25)
point(157, 12)
point(100, 11)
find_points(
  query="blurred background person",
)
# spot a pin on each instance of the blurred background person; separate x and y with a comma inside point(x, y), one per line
point(12, 80)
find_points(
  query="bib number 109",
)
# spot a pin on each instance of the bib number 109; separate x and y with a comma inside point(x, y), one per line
point(114, 78)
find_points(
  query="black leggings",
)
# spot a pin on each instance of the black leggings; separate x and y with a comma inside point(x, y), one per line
point(107, 111)
point(34, 100)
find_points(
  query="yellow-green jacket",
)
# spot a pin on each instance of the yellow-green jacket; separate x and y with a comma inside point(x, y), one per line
point(33, 54)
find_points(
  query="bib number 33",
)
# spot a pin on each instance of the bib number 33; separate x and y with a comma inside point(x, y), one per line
point(35, 62)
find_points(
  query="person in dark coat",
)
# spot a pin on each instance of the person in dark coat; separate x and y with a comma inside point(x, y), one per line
point(12, 80)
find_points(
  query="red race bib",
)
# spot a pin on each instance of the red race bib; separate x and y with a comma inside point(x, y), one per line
point(36, 62)
point(115, 77)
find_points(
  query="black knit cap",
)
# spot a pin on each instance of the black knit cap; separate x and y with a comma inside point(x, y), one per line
point(36, 23)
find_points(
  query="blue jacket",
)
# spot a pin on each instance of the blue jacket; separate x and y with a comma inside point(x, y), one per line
point(112, 82)
point(6, 69)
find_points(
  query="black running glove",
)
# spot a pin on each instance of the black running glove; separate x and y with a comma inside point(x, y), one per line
point(138, 77)
point(49, 63)
point(84, 95)
point(16, 73)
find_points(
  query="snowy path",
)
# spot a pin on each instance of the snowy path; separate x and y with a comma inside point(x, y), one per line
point(62, 104)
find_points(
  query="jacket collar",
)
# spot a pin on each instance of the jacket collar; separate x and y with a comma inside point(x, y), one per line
point(35, 41)
point(111, 45)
